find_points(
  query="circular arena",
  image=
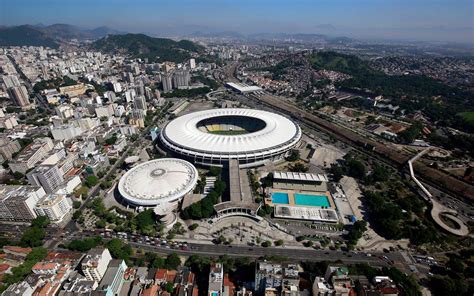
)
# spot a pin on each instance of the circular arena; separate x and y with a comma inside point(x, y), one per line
point(213, 137)
point(159, 182)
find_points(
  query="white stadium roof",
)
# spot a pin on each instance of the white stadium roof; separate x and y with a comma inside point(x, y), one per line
point(158, 181)
point(242, 87)
point(278, 133)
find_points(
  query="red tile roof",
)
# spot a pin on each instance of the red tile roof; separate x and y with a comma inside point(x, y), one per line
point(151, 291)
point(17, 249)
point(161, 274)
point(4, 267)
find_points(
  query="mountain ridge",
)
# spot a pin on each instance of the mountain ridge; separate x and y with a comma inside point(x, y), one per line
point(144, 46)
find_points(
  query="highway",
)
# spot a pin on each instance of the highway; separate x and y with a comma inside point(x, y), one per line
point(307, 254)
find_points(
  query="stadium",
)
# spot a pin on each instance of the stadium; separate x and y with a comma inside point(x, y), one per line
point(160, 183)
point(213, 137)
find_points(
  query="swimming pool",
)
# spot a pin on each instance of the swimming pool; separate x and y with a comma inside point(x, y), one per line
point(280, 198)
point(311, 200)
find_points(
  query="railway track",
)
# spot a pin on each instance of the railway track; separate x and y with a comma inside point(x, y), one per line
point(372, 148)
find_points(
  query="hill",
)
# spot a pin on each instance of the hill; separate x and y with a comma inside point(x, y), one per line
point(143, 46)
point(25, 36)
point(410, 92)
point(65, 31)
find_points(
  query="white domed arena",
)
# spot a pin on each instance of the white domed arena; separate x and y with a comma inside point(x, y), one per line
point(213, 137)
point(159, 182)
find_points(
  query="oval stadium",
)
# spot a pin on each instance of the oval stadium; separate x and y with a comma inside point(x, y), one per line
point(213, 137)
point(162, 182)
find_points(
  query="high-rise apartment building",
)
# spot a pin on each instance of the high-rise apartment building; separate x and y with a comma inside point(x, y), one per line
point(181, 78)
point(54, 206)
point(19, 95)
point(47, 176)
point(17, 202)
point(167, 82)
point(94, 264)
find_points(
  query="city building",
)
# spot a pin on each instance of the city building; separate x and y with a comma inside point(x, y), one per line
point(111, 95)
point(140, 103)
point(73, 90)
point(216, 280)
point(8, 122)
point(137, 118)
point(181, 78)
point(113, 279)
point(8, 147)
point(10, 81)
point(94, 264)
point(17, 202)
point(19, 95)
point(54, 206)
point(160, 184)
point(192, 64)
point(105, 111)
point(65, 111)
point(18, 289)
point(49, 177)
point(66, 132)
point(167, 82)
point(31, 155)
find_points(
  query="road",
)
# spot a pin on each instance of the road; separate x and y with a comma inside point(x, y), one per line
point(39, 99)
point(211, 250)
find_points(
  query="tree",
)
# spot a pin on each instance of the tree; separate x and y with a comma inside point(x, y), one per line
point(355, 233)
point(157, 262)
point(265, 210)
point(91, 181)
point(84, 245)
point(411, 133)
point(298, 168)
point(33, 237)
point(356, 168)
point(266, 244)
point(278, 243)
point(267, 181)
point(193, 226)
point(119, 250)
point(37, 254)
point(76, 204)
point(100, 223)
point(40, 222)
point(172, 261)
point(294, 155)
point(337, 172)
point(145, 219)
point(380, 174)
point(169, 287)
point(215, 171)
point(81, 192)
point(456, 264)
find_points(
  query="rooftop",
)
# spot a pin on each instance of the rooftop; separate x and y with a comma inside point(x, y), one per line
point(158, 181)
point(300, 176)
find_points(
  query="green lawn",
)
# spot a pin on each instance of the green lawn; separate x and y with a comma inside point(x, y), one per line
point(229, 133)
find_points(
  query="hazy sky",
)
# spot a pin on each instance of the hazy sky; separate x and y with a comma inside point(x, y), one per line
point(433, 20)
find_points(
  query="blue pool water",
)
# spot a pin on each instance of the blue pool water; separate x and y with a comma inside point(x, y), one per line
point(311, 200)
point(280, 198)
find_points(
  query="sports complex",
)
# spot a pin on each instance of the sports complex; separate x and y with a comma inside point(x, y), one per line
point(160, 184)
point(213, 137)
point(302, 196)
